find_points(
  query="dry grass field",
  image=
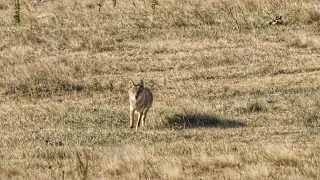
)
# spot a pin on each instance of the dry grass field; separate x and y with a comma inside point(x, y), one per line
point(234, 97)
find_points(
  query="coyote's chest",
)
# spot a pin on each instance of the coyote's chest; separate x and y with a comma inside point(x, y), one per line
point(138, 103)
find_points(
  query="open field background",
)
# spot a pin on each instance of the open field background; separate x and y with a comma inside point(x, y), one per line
point(234, 98)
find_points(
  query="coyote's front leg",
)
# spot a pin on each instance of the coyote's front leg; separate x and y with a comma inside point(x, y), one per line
point(139, 120)
point(131, 117)
point(145, 112)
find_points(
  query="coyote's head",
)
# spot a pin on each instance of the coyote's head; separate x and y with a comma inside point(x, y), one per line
point(135, 89)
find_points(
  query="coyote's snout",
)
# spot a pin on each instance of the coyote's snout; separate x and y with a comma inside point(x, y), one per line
point(140, 99)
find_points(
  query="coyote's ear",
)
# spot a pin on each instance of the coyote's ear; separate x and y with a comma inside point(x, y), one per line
point(131, 83)
point(141, 83)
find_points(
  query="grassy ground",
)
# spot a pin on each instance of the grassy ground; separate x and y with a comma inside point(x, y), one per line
point(234, 98)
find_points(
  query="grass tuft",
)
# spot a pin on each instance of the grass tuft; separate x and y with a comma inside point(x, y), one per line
point(303, 41)
point(257, 106)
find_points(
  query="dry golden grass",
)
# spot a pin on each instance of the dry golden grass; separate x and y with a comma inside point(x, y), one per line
point(234, 97)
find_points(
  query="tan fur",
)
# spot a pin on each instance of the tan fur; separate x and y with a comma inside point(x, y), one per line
point(140, 99)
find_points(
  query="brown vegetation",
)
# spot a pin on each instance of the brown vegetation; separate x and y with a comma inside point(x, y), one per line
point(234, 98)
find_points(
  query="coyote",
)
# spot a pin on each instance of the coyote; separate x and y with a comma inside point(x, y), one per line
point(140, 99)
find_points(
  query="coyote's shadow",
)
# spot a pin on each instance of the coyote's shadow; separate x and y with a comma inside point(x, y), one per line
point(192, 120)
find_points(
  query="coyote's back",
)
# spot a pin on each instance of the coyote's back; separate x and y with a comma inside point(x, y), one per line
point(140, 99)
